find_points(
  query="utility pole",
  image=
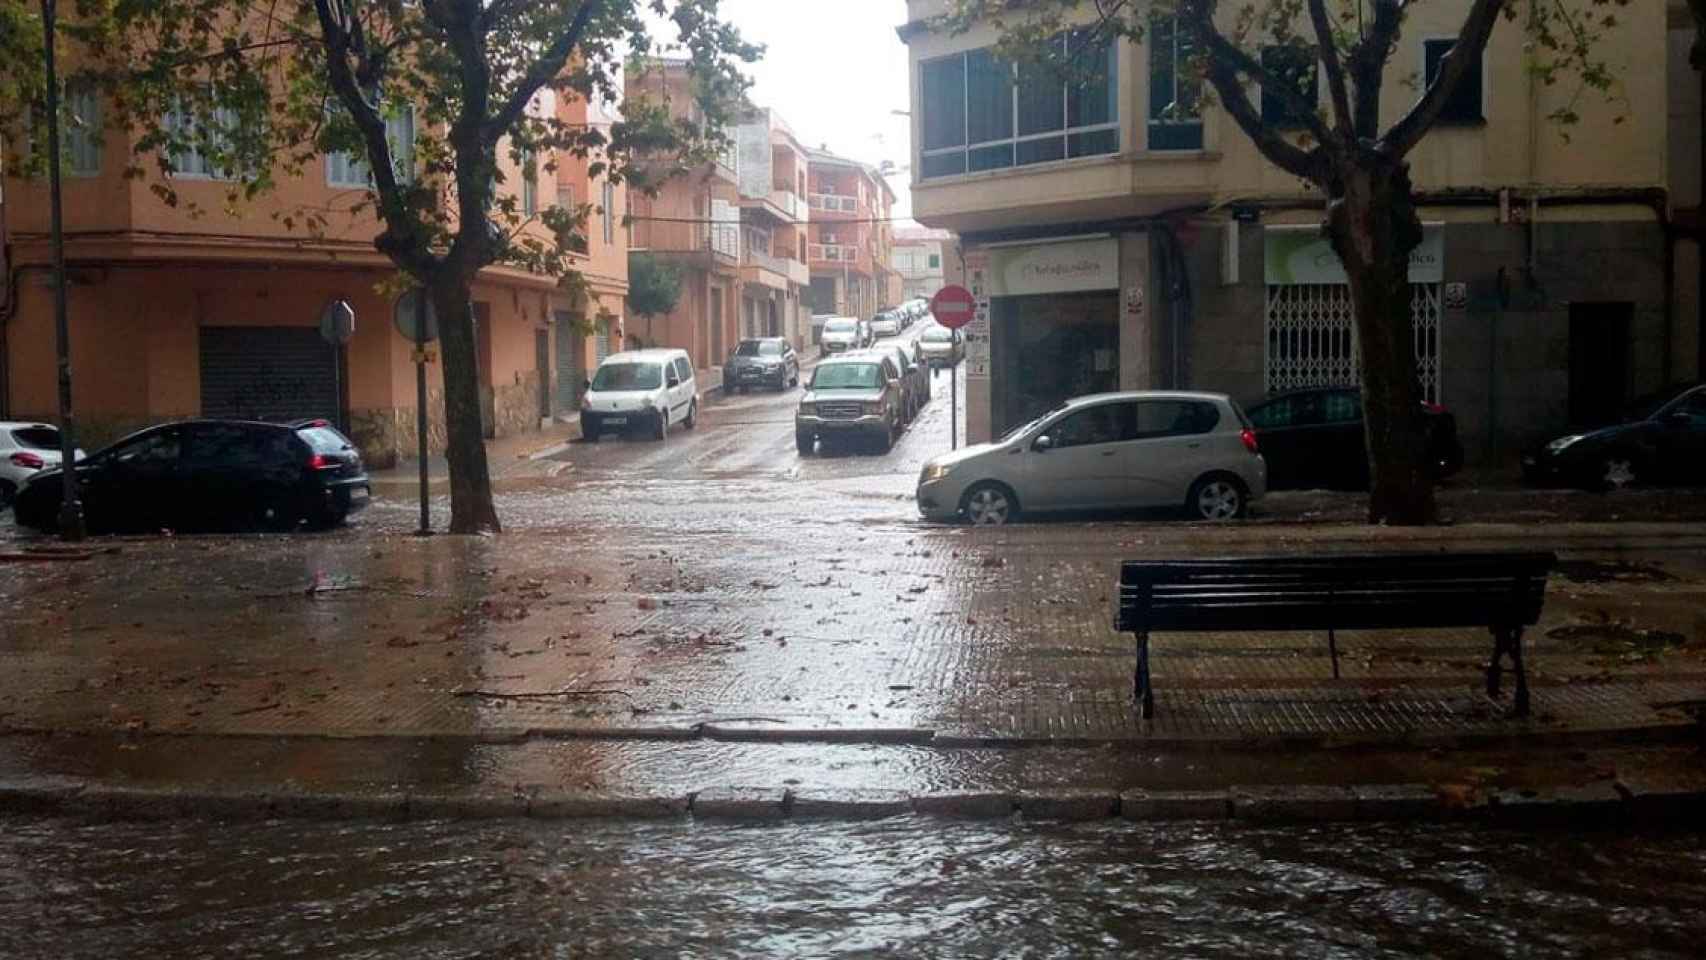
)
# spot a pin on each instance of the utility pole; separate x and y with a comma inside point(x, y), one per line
point(70, 507)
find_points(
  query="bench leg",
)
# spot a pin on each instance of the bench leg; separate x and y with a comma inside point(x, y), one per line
point(1515, 647)
point(1495, 666)
point(1140, 689)
point(1333, 648)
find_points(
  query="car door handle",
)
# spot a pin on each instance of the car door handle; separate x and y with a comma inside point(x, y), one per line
point(1109, 453)
point(1192, 446)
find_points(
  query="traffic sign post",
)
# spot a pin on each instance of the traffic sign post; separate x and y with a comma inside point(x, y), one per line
point(417, 320)
point(953, 307)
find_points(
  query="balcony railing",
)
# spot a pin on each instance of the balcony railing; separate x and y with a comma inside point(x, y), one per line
point(758, 258)
point(789, 203)
point(834, 251)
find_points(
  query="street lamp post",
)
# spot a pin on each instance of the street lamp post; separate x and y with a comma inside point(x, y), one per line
point(70, 508)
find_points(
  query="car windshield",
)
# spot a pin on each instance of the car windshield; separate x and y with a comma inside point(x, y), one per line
point(840, 326)
point(759, 348)
point(938, 335)
point(848, 376)
point(37, 438)
point(1023, 429)
point(628, 376)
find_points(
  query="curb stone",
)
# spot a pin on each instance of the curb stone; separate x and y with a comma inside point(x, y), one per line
point(1594, 802)
point(1144, 805)
point(580, 806)
point(1399, 801)
point(1661, 801)
point(965, 803)
point(851, 804)
point(1069, 804)
point(450, 805)
point(1293, 804)
point(740, 803)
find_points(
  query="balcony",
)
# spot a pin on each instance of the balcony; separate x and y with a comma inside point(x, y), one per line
point(782, 206)
point(710, 246)
point(834, 204)
point(764, 270)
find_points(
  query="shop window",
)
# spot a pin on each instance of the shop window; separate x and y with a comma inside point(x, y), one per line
point(1464, 104)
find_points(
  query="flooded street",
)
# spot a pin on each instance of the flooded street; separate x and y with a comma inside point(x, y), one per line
point(909, 887)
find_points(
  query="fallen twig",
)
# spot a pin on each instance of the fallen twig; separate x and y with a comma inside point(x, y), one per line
point(542, 694)
point(260, 709)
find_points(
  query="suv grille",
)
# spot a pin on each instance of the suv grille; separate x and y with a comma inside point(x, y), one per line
point(840, 411)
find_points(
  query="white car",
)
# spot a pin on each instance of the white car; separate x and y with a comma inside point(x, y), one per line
point(885, 324)
point(650, 390)
point(841, 334)
point(26, 449)
point(1109, 451)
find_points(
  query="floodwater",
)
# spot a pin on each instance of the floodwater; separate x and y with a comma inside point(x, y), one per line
point(906, 887)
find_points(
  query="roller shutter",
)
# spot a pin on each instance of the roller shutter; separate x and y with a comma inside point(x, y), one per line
point(267, 373)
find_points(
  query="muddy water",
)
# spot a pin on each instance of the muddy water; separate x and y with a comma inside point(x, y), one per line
point(900, 888)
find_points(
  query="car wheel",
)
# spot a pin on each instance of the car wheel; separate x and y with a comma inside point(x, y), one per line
point(692, 415)
point(8, 493)
point(885, 442)
point(803, 442)
point(1217, 497)
point(989, 504)
point(662, 431)
point(1616, 471)
point(795, 381)
point(277, 516)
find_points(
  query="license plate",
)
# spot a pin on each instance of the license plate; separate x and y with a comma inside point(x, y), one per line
point(616, 421)
point(749, 374)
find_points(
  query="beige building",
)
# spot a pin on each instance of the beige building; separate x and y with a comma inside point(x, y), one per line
point(919, 258)
point(183, 311)
point(1123, 233)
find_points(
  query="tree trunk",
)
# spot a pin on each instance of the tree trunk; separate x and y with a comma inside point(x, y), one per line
point(1373, 227)
point(471, 506)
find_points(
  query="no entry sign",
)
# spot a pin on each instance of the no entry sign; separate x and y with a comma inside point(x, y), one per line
point(953, 307)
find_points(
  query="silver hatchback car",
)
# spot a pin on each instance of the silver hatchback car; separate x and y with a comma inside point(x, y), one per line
point(1107, 451)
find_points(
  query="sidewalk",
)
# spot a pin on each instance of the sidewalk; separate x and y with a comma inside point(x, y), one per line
point(506, 457)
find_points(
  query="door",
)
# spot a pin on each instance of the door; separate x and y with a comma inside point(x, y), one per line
point(680, 374)
point(267, 373)
point(1081, 469)
point(136, 486)
point(1682, 437)
point(1599, 361)
point(718, 352)
point(1171, 447)
point(571, 361)
point(226, 475)
point(1345, 444)
point(542, 361)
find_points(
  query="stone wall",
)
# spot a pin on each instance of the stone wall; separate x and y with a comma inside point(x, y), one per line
point(515, 406)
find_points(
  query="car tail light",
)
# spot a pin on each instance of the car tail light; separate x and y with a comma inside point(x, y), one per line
point(1249, 438)
point(29, 461)
point(320, 461)
point(1433, 408)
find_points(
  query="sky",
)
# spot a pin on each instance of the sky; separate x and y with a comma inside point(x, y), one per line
point(835, 71)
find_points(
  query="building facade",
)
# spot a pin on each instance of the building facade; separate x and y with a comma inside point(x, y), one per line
point(182, 310)
point(1122, 233)
point(771, 174)
point(920, 260)
point(851, 237)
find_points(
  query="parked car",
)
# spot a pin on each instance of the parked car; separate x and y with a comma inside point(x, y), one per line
point(651, 390)
point(1313, 439)
point(1663, 440)
point(885, 324)
point(1106, 451)
point(859, 396)
point(841, 334)
point(941, 347)
point(210, 475)
point(915, 378)
point(26, 449)
point(767, 361)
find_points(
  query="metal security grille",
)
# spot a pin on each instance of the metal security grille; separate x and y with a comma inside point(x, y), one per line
point(267, 373)
point(1311, 337)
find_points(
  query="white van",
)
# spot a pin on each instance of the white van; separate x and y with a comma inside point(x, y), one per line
point(650, 390)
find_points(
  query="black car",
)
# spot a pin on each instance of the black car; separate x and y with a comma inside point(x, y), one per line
point(1313, 439)
point(210, 475)
point(762, 362)
point(1663, 440)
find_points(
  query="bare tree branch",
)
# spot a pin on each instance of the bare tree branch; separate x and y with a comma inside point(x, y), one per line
point(1226, 57)
point(1465, 53)
point(1344, 120)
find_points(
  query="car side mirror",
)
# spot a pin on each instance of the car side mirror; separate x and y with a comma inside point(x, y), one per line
point(673, 382)
point(1043, 444)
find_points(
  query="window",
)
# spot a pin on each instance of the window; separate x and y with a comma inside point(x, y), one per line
point(1295, 66)
point(1108, 423)
point(1342, 407)
point(225, 445)
point(1464, 105)
point(155, 448)
point(609, 213)
point(1175, 109)
point(191, 159)
point(980, 113)
point(346, 169)
point(80, 126)
point(530, 184)
point(935, 260)
point(1174, 418)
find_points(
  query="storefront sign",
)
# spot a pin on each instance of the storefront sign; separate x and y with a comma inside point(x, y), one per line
point(1303, 255)
point(1067, 267)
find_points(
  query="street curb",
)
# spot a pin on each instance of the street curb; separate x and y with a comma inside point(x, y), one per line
point(1603, 803)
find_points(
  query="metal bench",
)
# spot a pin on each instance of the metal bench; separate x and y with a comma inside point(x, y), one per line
point(1500, 591)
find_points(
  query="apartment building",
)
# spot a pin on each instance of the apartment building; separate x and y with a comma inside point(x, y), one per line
point(852, 207)
point(178, 313)
point(1122, 233)
point(919, 258)
point(772, 178)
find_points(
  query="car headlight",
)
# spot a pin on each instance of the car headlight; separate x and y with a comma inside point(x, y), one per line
point(586, 401)
point(874, 407)
point(934, 472)
point(1562, 443)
